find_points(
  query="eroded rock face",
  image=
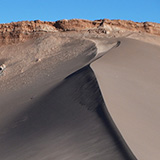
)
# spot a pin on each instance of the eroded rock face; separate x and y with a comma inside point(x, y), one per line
point(20, 31)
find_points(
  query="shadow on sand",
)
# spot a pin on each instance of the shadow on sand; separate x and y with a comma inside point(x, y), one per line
point(69, 122)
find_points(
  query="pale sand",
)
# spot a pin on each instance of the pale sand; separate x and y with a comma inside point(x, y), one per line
point(129, 79)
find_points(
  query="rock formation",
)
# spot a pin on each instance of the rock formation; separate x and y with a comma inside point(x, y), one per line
point(20, 31)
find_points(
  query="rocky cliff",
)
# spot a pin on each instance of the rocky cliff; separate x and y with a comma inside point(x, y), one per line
point(20, 31)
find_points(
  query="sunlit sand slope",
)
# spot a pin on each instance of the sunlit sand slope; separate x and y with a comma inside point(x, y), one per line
point(129, 79)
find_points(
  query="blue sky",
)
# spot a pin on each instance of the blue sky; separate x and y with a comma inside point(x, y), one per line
point(52, 10)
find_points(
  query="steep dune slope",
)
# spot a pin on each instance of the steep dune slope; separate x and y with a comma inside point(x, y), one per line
point(129, 79)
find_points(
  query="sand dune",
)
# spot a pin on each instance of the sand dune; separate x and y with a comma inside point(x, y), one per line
point(52, 118)
point(51, 106)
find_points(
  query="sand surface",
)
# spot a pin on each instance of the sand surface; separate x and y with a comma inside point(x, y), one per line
point(51, 106)
point(67, 122)
point(129, 79)
point(49, 113)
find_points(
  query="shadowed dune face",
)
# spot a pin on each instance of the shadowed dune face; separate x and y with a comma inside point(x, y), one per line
point(68, 122)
